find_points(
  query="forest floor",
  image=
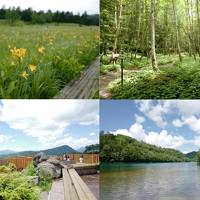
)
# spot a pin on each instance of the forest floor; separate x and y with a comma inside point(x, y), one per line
point(173, 80)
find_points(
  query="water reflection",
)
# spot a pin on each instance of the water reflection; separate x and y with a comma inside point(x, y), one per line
point(166, 181)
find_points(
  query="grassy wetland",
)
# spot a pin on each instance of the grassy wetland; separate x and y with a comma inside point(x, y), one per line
point(38, 58)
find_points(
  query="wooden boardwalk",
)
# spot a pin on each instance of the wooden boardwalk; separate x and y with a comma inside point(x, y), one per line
point(85, 87)
point(74, 186)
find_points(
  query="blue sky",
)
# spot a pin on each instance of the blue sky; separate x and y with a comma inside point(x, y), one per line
point(42, 124)
point(91, 6)
point(171, 124)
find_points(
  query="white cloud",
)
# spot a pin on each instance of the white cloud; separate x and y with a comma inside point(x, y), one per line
point(197, 141)
point(73, 142)
point(193, 123)
point(139, 119)
point(188, 107)
point(91, 6)
point(47, 120)
point(122, 132)
point(177, 123)
point(155, 112)
point(162, 139)
point(92, 134)
point(186, 113)
point(137, 131)
point(3, 138)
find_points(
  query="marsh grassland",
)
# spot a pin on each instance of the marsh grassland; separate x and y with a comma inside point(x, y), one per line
point(36, 61)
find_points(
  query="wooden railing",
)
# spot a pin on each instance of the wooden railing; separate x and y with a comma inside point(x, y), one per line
point(74, 187)
point(22, 162)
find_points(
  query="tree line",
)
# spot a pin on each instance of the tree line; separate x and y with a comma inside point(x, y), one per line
point(120, 148)
point(40, 17)
point(149, 27)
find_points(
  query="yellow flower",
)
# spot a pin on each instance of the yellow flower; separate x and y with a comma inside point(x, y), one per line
point(24, 74)
point(32, 67)
point(18, 53)
point(41, 49)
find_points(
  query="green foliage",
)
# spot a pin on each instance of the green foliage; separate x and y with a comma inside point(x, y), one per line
point(45, 180)
point(121, 148)
point(94, 148)
point(41, 17)
point(198, 157)
point(9, 168)
point(30, 170)
point(192, 156)
point(174, 81)
point(15, 186)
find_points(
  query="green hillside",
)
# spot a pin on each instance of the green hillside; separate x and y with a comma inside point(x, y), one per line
point(192, 155)
point(121, 148)
point(94, 148)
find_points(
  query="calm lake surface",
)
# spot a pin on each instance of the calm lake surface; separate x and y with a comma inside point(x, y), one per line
point(160, 181)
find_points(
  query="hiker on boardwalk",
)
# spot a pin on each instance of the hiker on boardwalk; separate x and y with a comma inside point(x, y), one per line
point(81, 159)
point(64, 157)
point(68, 158)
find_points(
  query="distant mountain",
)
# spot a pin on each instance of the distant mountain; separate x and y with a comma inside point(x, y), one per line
point(60, 150)
point(81, 150)
point(120, 148)
point(54, 151)
point(192, 155)
point(7, 152)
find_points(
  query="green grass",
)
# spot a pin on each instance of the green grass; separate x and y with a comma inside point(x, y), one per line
point(175, 80)
point(67, 50)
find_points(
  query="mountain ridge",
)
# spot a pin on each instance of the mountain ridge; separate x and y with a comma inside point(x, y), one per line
point(52, 151)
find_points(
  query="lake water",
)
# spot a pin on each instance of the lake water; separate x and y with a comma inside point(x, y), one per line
point(165, 181)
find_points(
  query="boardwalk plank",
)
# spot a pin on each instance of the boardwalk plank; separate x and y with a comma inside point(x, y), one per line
point(83, 191)
point(74, 186)
point(87, 84)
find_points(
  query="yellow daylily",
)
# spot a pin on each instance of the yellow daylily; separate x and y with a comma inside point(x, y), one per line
point(32, 67)
point(18, 53)
point(41, 49)
point(24, 74)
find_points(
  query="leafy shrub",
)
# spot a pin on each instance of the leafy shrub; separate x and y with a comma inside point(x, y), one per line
point(30, 170)
point(45, 180)
point(15, 186)
point(7, 168)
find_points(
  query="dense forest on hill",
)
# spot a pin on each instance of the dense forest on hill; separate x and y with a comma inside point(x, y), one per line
point(41, 17)
point(192, 155)
point(120, 148)
point(156, 43)
point(94, 148)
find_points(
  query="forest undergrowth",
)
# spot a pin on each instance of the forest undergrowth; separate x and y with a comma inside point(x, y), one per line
point(173, 80)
